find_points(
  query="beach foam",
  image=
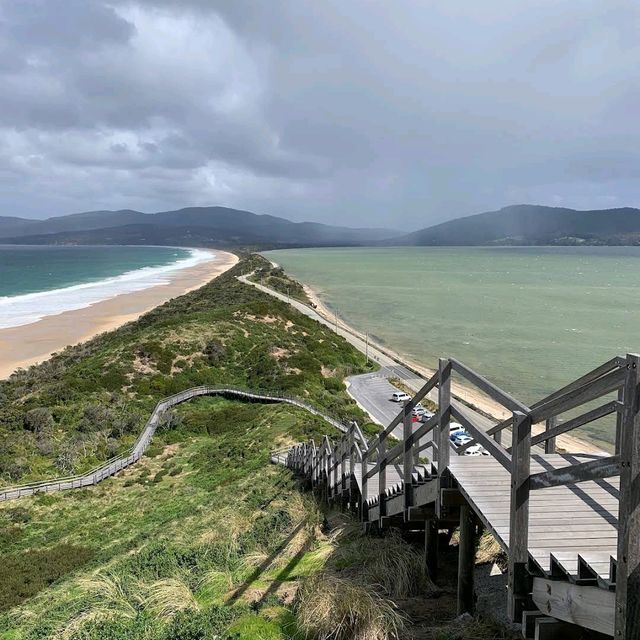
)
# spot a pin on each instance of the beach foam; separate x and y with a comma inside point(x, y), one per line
point(24, 309)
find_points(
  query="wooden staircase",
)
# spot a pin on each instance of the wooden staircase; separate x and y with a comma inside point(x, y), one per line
point(569, 522)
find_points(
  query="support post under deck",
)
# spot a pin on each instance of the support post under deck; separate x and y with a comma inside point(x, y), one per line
point(466, 560)
point(431, 547)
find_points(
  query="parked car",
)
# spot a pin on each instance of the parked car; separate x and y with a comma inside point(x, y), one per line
point(400, 396)
point(461, 439)
point(418, 410)
point(427, 415)
point(455, 426)
point(476, 450)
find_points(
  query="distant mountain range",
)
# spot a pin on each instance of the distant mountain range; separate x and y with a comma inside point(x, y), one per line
point(532, 225)
point(194, 226)
point(223, 227)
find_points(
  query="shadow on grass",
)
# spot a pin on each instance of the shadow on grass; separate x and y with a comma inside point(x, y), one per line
point(266, 563)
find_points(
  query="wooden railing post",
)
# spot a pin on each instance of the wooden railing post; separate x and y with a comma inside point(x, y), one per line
point(343, 463)
point(364, 484)
point(627, 612)
point(442, 432)
point(351, 445)
point(408, 456)
point(550, 444)
point(335, 462)
point(382, 475)
point(518, 587)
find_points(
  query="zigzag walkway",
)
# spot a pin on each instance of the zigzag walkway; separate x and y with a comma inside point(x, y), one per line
point(568, 521)
point(118, 463)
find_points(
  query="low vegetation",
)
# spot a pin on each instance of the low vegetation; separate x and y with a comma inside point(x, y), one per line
point(191, 542)
point(276, 278)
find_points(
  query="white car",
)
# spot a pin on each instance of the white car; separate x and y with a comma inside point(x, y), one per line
point(400, 396)
point(455, 426)
point(418, 410)
point(476, 450)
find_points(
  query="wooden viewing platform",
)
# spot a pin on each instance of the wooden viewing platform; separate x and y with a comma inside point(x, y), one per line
point(568, 521)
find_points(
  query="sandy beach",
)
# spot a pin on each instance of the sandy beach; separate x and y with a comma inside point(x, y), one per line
point(32, 343)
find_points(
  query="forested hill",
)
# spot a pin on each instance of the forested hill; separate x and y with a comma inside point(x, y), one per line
point(194, 226)
point(533, 225)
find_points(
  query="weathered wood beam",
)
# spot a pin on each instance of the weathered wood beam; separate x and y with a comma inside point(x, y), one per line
point(518, 557)
point(572, 474)
point(615, 363)
point(579, 421)
point(442, 434)
point(574, 398)
point(493, 391)
point(589, 607)
point(627, 607)
point(466, 560)
point(431, 547)
point(550, 440)
point(480, 435)
point(407, 458)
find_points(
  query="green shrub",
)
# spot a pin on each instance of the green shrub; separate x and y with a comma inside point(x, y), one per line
point(25, 573)
point(38, 420)
point(161, 474)
point(200, 625)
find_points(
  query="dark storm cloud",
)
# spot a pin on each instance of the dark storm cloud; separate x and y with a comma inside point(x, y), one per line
point(359, 111)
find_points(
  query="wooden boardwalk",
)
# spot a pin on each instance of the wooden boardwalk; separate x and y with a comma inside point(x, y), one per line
point(569, 522)
point(114, 465)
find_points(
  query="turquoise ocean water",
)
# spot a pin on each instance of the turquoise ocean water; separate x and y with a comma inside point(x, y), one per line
point(36, 281)
point(530, 319)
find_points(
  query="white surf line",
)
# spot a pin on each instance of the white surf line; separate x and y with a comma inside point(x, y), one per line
point(20, 310)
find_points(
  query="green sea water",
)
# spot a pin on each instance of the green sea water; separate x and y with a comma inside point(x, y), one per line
point(529, 319)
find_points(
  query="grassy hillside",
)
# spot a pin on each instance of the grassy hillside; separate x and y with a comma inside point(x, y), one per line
point(177, 546)
point(90, 402)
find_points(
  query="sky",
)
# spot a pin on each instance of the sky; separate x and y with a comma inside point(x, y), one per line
point(385, 113)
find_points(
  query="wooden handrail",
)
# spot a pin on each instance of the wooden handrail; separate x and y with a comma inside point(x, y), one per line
point(580, 395)
point(615, 363)
point(494, 392)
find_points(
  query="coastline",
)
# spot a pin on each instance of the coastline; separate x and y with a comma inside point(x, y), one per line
point(468, 394)
point(29, 344)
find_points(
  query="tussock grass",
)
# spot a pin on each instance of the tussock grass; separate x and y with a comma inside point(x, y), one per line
point(103, 597)
point(332, 608)
point(489, 551)
point(388, 563)
point(354, 596)
point(165, 598)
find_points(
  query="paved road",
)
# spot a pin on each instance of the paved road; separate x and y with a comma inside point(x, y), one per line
point(371, 390)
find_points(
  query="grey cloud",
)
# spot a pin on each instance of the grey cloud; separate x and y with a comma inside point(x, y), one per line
point(359, 111)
